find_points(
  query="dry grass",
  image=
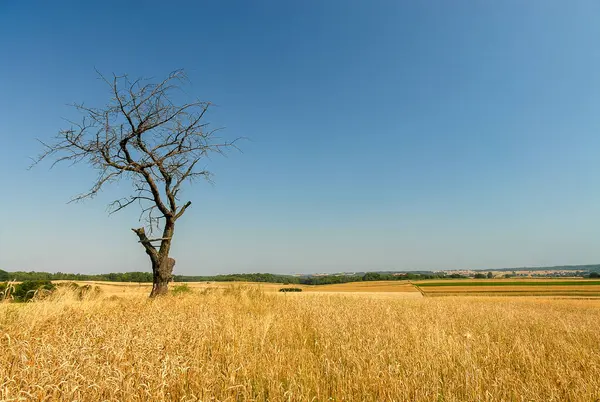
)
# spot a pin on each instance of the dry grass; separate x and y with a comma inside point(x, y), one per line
point(128, 289)
point(240, 343)
point(125, 289)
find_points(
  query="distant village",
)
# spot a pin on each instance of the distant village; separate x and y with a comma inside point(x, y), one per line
point(546, 273)
point(576, 271)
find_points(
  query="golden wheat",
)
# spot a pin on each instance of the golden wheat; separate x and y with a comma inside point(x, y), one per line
point(240, 343)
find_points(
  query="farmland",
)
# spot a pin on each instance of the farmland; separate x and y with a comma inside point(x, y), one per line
point(575, 288)
point(572, 288)
point(368, 288)
point(344, 342)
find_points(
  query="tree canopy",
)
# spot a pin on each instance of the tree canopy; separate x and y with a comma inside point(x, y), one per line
point(144, 136)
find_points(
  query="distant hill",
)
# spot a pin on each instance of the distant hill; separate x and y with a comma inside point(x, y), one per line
point(588, 268)
point(252, 277)
point(311, 279)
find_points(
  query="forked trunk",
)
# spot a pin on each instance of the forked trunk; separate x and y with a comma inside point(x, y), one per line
point(162, 271)
point(162, 264)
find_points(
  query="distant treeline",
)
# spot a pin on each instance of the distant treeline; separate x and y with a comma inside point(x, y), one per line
point(312, 279)
point(58, 276)
point(256, 277)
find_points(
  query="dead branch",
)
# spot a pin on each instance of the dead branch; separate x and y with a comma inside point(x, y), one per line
point(143, 136)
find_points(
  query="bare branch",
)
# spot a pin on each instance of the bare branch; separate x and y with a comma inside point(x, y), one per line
point(143, 136)
point(182, 210)
point(157, 239)
point(150, 250)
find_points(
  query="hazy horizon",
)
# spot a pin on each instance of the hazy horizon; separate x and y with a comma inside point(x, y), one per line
point(565, 267)
point(382, 136)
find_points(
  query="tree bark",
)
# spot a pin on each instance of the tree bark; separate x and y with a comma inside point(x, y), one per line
point(162, 264)
point(162, 274)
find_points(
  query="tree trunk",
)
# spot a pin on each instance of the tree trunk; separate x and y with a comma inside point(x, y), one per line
point(162, 271)
point(162, 264)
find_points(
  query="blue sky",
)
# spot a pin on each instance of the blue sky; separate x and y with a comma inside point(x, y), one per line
point(384, 135)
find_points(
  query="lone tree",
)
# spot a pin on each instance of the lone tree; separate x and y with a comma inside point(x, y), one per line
point(144, 136)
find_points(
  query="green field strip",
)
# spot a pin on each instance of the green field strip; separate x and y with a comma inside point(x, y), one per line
point(518, 294)
point(510, 283)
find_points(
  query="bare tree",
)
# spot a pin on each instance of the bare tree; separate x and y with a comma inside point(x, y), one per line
point(144, 136)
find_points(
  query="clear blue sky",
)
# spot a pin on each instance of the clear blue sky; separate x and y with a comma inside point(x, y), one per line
point(385, 135)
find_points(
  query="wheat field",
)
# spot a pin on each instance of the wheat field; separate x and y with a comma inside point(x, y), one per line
point(240, 343)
